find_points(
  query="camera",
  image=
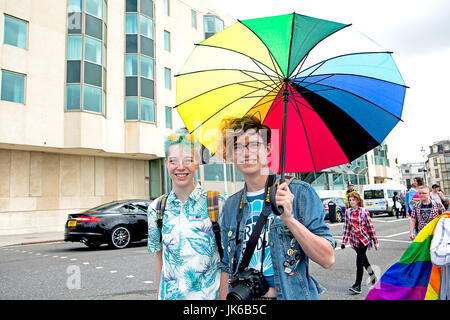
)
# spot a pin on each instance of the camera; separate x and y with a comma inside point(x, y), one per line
point(248, 285)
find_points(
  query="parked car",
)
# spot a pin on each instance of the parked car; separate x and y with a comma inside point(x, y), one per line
point(340, 207)
point(117, 223)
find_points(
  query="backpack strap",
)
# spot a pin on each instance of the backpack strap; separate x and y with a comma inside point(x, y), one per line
point(160, 207)
point(213, 212)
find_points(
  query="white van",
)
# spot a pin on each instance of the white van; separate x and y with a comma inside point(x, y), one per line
point(378, 197)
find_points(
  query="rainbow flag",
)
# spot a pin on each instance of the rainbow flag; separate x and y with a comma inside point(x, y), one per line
point(414, 277)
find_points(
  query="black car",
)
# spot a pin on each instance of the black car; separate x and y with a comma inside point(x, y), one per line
point(340, 207)
point(116, 223)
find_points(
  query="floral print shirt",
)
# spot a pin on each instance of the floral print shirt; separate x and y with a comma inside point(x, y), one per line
point(190, 256)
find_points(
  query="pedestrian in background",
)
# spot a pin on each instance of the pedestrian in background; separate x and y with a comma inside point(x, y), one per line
point(350, 188)
point(437, 195)
point(396, 205)
point(403, 204)
point(423, 212)
point(359, 229)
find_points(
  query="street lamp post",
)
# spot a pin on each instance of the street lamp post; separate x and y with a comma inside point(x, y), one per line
point(423, 152)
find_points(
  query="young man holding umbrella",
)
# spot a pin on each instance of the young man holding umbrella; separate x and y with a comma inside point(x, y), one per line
point(278, 268)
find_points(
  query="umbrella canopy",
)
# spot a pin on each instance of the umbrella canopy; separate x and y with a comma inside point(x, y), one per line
point(329, 93)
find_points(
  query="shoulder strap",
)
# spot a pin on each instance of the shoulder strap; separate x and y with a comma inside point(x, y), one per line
point(160, 207)
point(213, 212)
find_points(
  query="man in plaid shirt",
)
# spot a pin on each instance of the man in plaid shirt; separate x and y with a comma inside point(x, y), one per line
point(424, 211)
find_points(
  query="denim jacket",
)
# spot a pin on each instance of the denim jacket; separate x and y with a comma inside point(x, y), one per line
point(307, 209)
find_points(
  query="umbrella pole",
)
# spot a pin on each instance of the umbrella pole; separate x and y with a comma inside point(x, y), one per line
point(283, 130)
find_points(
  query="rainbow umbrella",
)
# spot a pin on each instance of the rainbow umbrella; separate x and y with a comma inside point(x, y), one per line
point(329, 93)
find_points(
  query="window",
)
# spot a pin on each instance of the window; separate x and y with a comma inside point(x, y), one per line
point(131, 109)
point(194, 19)
point(15, 33)
point(93, 50)
point(147, 7)
point(94, 27)
point(73, 97)
point(166, 7)
point(131, 6)
point(131, 65)
point(166, 40)
point(86, 56)
point(212, 25)
point(74, 47)
point(92, 98)
point(167, 78)
point(139, 66)
point(147, 67)
point(436, 173)
point(74, 6)
point(169, 117)
point(95, 7)
point(146, 25)
point(13, 87)
point(147, 110)
point(131, 25)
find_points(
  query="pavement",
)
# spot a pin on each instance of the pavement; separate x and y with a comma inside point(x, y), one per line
point(30, 238)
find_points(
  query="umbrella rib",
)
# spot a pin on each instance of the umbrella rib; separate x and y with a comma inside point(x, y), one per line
point(272, 107)
point(270, 54)
point(302, 62)
point(358, 96)
point(351, 74)
point(220, 69)
point(221, 109)
point(306, 134)
point(321, 63)
point(208, 45)
point(264, 89)
point(221, 87)
point(270, 77)
point(254, 61)
point(306, 55)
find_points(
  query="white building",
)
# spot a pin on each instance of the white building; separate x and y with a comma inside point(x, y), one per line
point(86, 94)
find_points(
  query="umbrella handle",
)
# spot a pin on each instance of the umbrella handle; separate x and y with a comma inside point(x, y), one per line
point(277, 210)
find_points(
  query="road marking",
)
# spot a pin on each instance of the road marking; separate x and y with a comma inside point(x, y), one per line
point(85, 262)
point(396, 234)
point(402, 241)
point(73, 259)
point(130, 276)
point(113, 271)
point(148, 282)
point(98, 268)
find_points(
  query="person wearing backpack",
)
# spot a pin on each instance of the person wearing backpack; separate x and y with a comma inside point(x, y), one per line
point(359, 229)
point(182, 228)
point(266, 255)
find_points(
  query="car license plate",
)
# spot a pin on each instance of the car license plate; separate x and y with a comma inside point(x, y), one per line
point(72, 223)
point(368, 204)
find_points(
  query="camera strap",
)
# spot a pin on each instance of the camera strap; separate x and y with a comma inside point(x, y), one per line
point(260, 223)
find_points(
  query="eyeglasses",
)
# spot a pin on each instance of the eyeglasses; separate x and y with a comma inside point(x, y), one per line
point(177, 136)
point(251, 146)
